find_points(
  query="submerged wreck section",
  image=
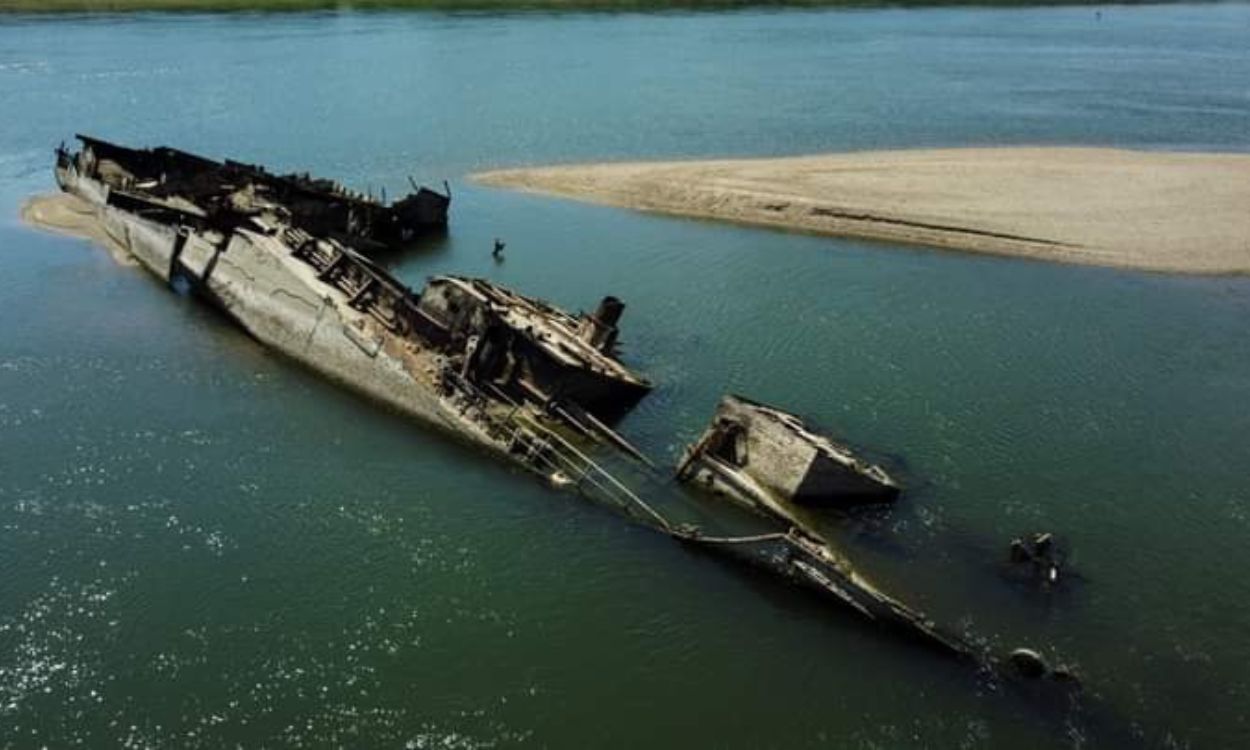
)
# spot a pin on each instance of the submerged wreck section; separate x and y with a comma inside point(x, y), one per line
point(508, 372)
point(530, 348)
point(769, 461)
point(231, 191)
point(815, 564)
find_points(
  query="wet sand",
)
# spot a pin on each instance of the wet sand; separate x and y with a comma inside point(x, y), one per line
point(68, 214)
point(1160, 211)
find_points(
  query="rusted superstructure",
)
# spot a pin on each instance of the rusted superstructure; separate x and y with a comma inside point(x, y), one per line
point(530, 348)
point(769, 460)
point(231, 192)
point(509, 373)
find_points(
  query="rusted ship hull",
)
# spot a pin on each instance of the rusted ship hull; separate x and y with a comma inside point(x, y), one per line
point(769, 461)
point(510, 374)
point(267, 284)
point(251, 277)
point(543, 352)
point(332, 310)
point(320, 207)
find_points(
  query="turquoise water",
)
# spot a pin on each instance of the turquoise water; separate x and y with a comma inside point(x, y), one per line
point(203, 545)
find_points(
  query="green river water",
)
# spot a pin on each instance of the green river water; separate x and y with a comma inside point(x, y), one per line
point(202, 545)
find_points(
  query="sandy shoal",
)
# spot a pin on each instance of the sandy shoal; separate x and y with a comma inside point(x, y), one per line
point(1161, 211)
point(70, 215)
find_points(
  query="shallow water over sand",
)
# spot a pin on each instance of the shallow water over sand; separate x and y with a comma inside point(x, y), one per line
point(201, 544)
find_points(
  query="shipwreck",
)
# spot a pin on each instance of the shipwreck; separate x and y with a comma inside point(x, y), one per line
point(523, 380)
point(230, 191)
point(769, 460)
point(512, 374)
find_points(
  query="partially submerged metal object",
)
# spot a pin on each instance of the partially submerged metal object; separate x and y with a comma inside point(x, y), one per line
point(817, 565)
point(232, 191)
point(534, 350)
point(497, 368)
point(512, 374)
point(769, 460)
point(1031, 665)
point(508, 372)
point(1038, 559)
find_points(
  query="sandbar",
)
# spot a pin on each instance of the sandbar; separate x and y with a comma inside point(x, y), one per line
point(68, 214)
point(1178, 212)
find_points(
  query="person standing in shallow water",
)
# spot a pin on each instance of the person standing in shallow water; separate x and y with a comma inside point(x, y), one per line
point(497, 253)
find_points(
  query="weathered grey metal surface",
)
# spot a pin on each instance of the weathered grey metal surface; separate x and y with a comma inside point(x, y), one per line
point(768, 460)
point(331, 309)
point(323, 207)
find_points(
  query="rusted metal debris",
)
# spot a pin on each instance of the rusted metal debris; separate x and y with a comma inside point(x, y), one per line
point(530, 349)
point(815, 564)
point(770, 461)
point(230, 192)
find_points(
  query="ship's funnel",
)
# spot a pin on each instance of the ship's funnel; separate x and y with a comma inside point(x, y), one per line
point(599, 330)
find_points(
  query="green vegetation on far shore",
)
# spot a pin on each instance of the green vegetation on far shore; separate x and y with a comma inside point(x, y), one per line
point(115, 6)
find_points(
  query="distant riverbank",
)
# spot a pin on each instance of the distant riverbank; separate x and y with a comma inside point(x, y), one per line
point(1173, 212)
point(116, 6)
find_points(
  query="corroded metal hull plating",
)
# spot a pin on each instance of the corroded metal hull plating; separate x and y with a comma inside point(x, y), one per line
point(326, 306)
point(278, 300)
point(766, 460)
point(815, 565)
point(511, 374)
point(769, 460)
point(232, 190)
